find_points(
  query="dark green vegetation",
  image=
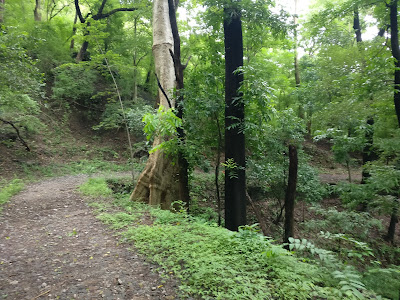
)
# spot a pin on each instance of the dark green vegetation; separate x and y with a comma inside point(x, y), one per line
point(75, 74)
point(212, 262)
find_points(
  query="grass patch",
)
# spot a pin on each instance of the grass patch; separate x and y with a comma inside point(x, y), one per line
point(78, 167)
point(95, 187)
point(118, 220)
point(9, 190)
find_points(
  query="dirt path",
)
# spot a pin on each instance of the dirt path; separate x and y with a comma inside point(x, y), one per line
point(52, 247)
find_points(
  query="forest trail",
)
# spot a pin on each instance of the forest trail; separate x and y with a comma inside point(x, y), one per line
point(52, 247)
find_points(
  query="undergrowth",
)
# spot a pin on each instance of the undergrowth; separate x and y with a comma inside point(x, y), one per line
point(214, 263)
point(77, 167)
point(9, 190)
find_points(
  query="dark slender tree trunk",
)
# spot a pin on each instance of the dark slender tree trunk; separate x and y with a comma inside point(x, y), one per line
point(37, 11)
point(369, 153)
point(83, 54)
point(394, 219)
point(72, 44)
point(394, 40)
point(290, 195)
point(217, 165)
point(179, 68)
point(235, 179)
point(356, 25)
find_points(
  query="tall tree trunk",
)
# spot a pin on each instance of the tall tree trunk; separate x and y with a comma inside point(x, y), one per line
point(157, 184)
point(394, 40)
point(369, 153)
point(72, 44)
point(135, 72)
point(37, 11)
point(290, 195)
point(183, 164)
point(83, 54)
point(356, 25)
point(235, 178)
point(296, 55)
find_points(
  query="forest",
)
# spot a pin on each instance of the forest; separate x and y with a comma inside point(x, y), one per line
point(259, 140)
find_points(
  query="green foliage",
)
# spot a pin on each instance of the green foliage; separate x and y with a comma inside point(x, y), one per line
point(349, 222)
point(74, 83)
point(95, 187)
point(9, 190)
point(343, 143)
point(20, 83)
point(215, 263)
point(162, 125)
point(118, 220)
point(379, 192)
point(385, 282)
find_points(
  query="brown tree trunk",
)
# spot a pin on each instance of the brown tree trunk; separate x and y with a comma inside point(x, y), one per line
point(235, 178)
point(158, 183)
point(37, 11)
point(290, 195)
point(72, 44)
point(394, 219)
point(83, 54)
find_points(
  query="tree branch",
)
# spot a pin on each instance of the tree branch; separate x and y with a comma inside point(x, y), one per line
point(162, 90)
point(78, 12)
point(100, 16)
point(102, 7)
point(61, 9)
point(17, 131)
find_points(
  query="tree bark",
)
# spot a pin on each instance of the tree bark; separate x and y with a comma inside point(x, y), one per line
point(394, 219)
point(290, 195)
point(72, 44)
point(235, 179)
point(183, 164)
point(356, 25)
point(394, 41)
point(37, 11)
point(157, 184)
point(369, 153)
point(296, 56)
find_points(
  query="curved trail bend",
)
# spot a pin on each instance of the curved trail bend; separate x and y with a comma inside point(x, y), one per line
point(52, 247)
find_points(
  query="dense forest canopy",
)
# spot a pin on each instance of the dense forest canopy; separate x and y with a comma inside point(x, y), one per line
point(244, 90)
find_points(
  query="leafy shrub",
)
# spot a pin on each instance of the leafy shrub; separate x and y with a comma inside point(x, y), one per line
point(348, 222)
point(74, 83)
point(20, 84)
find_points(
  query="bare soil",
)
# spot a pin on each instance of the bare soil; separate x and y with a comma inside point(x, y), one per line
point(52, 247)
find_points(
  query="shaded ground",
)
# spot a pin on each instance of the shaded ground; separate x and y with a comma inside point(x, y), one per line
point(52, 247)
